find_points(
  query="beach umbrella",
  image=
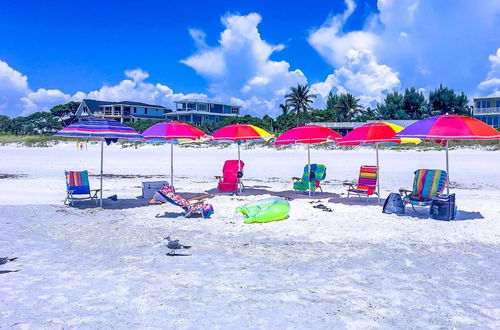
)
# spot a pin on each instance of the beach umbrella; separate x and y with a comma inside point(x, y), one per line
point(374, 134)
point(308, 134)
point(173, 132)
point(100, 129)
point(443, 128)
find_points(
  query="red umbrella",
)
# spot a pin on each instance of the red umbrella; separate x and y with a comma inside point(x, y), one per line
point(308, 134)
point(450, 127)
point(173, 132)
point(375, 133)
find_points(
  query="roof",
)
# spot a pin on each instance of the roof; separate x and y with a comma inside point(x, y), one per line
point(488, 98)
point(94, 105)
point(206, 102)
point(197, 112)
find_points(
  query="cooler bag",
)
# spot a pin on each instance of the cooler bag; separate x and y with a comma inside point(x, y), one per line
point(394, 204)
point(443, 207)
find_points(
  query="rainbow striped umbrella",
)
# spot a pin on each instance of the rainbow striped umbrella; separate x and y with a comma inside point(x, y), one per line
point(100, 129)
point(446, 127)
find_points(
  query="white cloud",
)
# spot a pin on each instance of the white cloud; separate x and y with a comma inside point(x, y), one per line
point(16, 98)
point(360, 75)
point(426, 42)
point(239, 69)
point(491, 85)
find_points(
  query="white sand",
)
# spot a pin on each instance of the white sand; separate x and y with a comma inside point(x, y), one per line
point(352, 268)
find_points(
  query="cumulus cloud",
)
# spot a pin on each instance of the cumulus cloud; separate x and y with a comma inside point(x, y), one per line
point(425, 42)
point(16, 98)
point(360, 75)
point(239, 68)
point(491, 85)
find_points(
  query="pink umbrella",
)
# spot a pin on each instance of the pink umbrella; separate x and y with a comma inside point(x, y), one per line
point(308, 134)
point(173, 132)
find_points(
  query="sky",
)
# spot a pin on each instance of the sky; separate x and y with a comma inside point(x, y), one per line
point(247, 53)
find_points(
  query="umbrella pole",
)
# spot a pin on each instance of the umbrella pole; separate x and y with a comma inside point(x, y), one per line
point(378, 174)
point(447, 170)
point(172, 166)
point(309, 166)
point(102, 154)
point(239, 169)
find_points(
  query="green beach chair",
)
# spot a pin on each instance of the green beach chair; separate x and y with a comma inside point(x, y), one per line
point(426, 185)
point(311, 179)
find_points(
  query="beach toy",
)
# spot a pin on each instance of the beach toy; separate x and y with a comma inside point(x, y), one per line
point(265, 210)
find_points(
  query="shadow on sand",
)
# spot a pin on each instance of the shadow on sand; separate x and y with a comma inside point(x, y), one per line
point(287, 194)
point(372, 201)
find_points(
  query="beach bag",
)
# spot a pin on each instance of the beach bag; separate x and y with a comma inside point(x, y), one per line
point(443, 207)
point(394, 204)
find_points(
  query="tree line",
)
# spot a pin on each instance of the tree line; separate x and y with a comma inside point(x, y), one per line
point(295, 111)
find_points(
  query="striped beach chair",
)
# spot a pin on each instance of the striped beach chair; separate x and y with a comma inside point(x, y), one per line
point(311, 179)
point(366, 184)
point(190, 206)
point(426, 185)
point(77, 184)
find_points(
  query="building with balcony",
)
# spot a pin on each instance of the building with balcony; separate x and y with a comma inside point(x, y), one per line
point(199, 112)
point(123, 111)
point(487, 109)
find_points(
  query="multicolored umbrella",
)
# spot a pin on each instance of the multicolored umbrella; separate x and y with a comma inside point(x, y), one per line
point(173, 132)
point(374, 134)
point(446, 127)
point(100, 129)
point(308, 134)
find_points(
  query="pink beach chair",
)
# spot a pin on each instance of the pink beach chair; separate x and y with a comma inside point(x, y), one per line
point(230, 181)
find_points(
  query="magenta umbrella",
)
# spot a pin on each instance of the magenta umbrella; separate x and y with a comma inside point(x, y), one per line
point(446, 127)
point(308, 134)
point(173, 132)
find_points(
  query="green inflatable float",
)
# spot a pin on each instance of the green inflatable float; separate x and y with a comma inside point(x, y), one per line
point(265, 210)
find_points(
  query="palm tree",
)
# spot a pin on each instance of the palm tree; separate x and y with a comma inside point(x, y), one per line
point(348, 107)
point(284, 108)
point(299, 99)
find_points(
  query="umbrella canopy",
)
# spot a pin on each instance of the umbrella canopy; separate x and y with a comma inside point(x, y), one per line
point(100, 129)
point(376, 133)
point(450, 127)
point(239, 133)
point(173, 132)
point(308, 134)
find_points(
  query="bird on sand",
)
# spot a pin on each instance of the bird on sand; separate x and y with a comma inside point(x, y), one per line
point(175, 245)
point(4, 260)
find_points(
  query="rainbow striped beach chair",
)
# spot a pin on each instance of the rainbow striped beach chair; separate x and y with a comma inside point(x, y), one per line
point(77, 183)
point(426, 185)
point(367, 182)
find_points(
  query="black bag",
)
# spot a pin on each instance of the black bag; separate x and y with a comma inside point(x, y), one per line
point(443, 207)
point(394, 204)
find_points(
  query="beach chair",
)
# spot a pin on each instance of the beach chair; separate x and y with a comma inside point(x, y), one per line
point(314, 177)
point(77, 185)
point(426, 185)
point(230, 181)
point(191, 206)
point(366, 184)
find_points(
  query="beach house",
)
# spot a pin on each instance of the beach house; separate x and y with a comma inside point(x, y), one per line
point(199, 112)
point(487, 109)
point(123, 111)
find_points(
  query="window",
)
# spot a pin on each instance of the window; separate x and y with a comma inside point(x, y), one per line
point(234, 110)
point(202, 106)
point(135, 109)
point(497, 104)
point(478, 105)
point(145, 111)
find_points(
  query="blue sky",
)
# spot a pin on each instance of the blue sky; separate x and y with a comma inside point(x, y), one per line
point(248, 53)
